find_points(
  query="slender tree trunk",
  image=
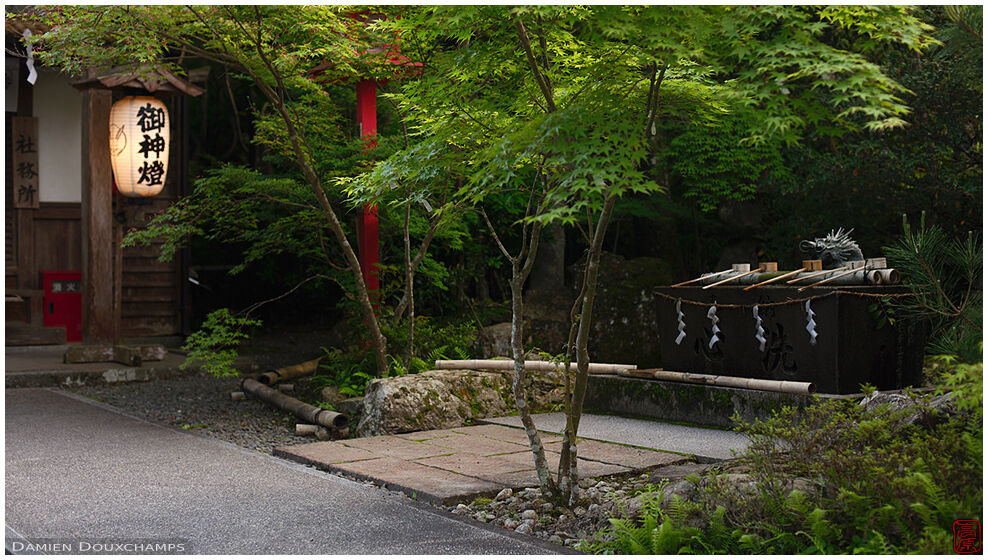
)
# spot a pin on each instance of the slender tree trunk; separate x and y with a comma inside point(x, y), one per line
point(566, 482)
point(363, 296)
point(378, 341)
point(409, 290)
point(423, 249)
point(546, 484)
point(568, 457)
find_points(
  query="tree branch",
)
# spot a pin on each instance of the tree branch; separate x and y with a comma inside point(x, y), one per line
point(497, 239)
point(254, 307)
point(533, 64)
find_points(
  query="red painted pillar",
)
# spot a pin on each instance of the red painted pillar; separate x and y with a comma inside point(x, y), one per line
point(367, 236)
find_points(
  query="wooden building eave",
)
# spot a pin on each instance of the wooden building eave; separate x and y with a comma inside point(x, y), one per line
point(157, 80)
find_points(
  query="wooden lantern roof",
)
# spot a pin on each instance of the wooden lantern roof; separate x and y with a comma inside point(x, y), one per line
point(153, 80)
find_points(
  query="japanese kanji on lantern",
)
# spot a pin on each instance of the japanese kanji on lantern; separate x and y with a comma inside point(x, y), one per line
point(139, 138)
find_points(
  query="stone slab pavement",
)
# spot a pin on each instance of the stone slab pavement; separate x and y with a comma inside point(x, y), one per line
point(459, 464)
point(706, 444)
point(79, 469)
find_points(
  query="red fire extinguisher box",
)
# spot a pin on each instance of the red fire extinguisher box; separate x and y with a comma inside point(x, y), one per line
point(63, 301)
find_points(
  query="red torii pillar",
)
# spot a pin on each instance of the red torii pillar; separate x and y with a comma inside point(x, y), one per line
point(367, 229)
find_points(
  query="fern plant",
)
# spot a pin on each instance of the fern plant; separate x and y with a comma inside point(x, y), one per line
point(873, 484)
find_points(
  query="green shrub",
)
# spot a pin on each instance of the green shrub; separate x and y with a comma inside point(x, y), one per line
point(350, 369)
point(870, 483)
point(214, 346)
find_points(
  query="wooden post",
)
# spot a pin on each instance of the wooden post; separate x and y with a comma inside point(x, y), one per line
point(98, 318)
point(117, 279)
point(367, 227)
point(27, 273)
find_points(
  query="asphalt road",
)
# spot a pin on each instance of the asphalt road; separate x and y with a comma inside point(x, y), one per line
point(76, 469)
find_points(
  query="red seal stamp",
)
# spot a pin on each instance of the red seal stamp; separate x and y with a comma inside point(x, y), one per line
point(967, 536)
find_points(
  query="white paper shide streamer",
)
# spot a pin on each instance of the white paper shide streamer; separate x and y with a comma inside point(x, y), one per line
point(810, 323)
point(712, 315)
point(32, 73)
point(759, 331)
point(681, 327)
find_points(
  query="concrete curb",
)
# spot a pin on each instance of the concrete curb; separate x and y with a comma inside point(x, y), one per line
point(68, 378)
point(416, 495)
point(673, 401)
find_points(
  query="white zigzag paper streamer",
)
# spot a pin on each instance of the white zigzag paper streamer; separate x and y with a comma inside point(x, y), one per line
point(759, 331)
point(682, 324)
point(32, 73)
point(712, 315)
point(810, 323)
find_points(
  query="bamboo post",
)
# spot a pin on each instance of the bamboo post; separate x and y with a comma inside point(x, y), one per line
point(704, 277)
point(307, 412)
point(289, 372)
point(775, 279)
point(724, 281)
point(306, 429)
point(530, 365)
point(834, 277)
point(792, 387)
point(816, 274)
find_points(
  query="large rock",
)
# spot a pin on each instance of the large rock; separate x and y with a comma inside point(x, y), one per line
point(926, 410)
point(494, 340)
point(439, 399)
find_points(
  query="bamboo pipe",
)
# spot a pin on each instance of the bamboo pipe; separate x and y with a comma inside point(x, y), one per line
point(815, 274)
point(890, 276)
point(289, 372)
point(836, 276)
point(530, 365)
point(774, 279)
point(704, 277)
point(321, 432)
point(793, 387)
point(307, 412)
point(724, 281)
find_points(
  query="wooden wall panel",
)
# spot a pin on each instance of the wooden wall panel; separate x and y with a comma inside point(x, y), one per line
point(10, 232)
point(150, 299)
point(150, 303)
point(58, 237)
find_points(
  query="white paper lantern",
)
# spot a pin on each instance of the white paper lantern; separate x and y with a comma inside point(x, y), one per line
point(139, 140)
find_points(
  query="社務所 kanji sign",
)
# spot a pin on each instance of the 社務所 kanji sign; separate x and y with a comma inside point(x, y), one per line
point(24, 144)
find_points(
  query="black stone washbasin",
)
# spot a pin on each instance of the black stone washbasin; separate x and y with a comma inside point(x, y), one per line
point(850, 349)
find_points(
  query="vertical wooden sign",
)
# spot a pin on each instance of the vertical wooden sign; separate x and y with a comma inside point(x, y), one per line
point(24, 141)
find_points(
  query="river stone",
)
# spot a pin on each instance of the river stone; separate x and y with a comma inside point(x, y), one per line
point(440, 399)
point(674, 473)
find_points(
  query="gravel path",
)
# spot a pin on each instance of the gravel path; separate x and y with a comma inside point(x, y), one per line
point(203, 404)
